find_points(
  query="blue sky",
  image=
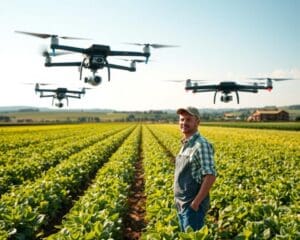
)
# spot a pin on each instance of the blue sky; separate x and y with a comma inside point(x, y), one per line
point(219, 40)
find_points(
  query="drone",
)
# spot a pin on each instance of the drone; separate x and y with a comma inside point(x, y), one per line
point(59, 94)
point(94, 57)
point(227, 87)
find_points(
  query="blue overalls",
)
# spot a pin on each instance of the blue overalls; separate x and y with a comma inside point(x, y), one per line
point(186, 189)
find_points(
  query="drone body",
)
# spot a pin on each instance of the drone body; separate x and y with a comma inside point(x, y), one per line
point(227, 87)
point(94, 57)
point(59, 94)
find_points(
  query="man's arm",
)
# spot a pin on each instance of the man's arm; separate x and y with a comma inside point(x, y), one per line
point(206, 185)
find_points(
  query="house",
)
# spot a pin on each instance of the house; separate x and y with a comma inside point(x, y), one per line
point(231, 117)
point(269, 115)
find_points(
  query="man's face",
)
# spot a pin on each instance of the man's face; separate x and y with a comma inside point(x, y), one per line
point(188, 124)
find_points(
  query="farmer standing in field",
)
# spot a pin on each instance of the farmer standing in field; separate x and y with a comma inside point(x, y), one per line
point(194, 172)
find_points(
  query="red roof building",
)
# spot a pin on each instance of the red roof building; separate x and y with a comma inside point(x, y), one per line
point(269, 115)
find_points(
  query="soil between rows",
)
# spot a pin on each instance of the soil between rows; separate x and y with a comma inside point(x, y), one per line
point(134, 220)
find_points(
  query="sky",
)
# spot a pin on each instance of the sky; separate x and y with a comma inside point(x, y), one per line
point(219, 40)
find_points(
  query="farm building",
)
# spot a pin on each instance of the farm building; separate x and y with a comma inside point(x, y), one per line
point(231, 117)
point(269, 115)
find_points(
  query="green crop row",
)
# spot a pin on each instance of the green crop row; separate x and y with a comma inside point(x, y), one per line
point(47, 140)
point(28, 209)
point(30, 168)
point(98, 214)
point(160, 212)
point(18, 137)
point(171, 142)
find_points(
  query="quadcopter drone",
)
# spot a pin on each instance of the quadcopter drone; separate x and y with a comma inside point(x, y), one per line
point(226, 87)
point(59, 94)
point(95, 57)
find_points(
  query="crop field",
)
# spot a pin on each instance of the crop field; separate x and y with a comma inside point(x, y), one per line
point(115, 181)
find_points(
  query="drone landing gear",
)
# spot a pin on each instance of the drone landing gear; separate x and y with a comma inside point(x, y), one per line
point(237, 97)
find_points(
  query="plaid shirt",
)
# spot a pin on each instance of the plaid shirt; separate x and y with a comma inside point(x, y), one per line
point(201, 155)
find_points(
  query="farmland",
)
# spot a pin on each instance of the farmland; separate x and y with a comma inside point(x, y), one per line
point(75, 182)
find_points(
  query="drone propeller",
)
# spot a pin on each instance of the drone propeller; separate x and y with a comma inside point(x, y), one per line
point(41, 84)
point(176, 81)
point(45, 35)
point(154, 45)
point(272, 79)
point(45, 84)
point(198, 80)
point(254, 82)
point(186, 80)
point(87, 88)
point(133, 60)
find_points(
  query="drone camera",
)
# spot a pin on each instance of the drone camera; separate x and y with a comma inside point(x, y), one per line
point(59, 104)
point(226, 98)
point(94, 80)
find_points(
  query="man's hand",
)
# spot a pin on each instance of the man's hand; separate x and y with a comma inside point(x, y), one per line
point(207, 183)
point(195, 206)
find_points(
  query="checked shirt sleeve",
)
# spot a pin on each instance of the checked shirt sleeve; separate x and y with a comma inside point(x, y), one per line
point(203, 162)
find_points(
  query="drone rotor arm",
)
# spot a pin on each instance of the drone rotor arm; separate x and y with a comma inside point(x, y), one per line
point(74, 92)
point(72, 96)
point(44, 96)
point(47, 90)
point(203, 90)
point(68, 48)
point(63, 64)
point(250, 90)
point(208, 88)
point(130, 69)
point(128, 54)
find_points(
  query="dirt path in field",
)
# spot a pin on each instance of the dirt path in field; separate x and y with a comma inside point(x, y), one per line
point(134, 221)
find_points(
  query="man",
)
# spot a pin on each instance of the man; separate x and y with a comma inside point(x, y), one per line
point(194, 172)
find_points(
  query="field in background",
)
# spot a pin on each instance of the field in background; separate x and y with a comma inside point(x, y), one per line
point(292, 126)
point(157, 117)
point(86, 116)
point(74, 181)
